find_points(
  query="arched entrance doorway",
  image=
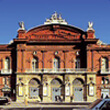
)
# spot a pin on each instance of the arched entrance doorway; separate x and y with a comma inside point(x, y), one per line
point(78, 89)
point(56, 86)
point(34, 86)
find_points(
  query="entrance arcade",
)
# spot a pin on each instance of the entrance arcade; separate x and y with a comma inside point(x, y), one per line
point(78, 89)
point(56, 89)
point(34, 87)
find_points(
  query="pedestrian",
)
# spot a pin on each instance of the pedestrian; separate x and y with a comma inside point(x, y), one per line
point(106, 97)
point(102, 96)
point(55, 98)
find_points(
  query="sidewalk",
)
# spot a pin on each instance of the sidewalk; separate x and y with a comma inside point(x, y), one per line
point(41, 105)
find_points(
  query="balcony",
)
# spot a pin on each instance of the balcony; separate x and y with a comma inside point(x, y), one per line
point(76, 70)
point(6, 71)
point(37, 70)
point(58, 70)
point(105, 71)
point(54, 70)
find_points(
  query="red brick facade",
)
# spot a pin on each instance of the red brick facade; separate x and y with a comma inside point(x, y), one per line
point(44, 43)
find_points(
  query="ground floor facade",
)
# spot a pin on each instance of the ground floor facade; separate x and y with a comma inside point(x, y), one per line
point(5, 86)
point(56, 87)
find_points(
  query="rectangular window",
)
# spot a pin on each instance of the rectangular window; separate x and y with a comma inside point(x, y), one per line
point(77, 63)
point(7, 63)
point(104, 64)
point(34, 64)
point(4, 80)
point(8, 81)
point(56, 63)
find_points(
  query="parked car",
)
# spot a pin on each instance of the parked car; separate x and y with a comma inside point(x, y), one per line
point(99, 104)
point(4, 100)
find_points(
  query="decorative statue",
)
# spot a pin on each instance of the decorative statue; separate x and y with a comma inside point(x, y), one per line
point(60, 17)
point(54, 16)
point(21, 24)
point(90, 24)
point(55, 19)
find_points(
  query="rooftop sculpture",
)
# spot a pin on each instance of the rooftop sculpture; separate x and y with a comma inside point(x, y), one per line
point(90, 26)
point(55, 19)
point(21, 24)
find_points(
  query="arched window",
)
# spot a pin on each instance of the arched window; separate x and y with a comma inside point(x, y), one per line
point(34, 63)
point(56, 63)
point(7, 63)
point(77, 63)
point(104, 64)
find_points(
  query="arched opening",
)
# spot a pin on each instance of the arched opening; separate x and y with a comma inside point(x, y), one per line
point(56, 87)
point(78, 89)
point(34, 88)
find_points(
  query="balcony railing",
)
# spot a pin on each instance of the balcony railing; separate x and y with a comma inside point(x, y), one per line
point(54, 70)
point(58, 70)
point(33, 70)
point(105, 71)
point(6, 71)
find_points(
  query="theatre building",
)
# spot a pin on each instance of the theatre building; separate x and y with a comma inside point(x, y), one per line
point(55, 62)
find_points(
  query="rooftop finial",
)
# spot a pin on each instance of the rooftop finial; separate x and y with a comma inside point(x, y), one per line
point(55, 19)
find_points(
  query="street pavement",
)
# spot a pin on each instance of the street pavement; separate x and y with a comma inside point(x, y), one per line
point(43, 106)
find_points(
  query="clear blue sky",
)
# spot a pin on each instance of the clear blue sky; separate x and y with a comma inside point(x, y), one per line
point(35, 12)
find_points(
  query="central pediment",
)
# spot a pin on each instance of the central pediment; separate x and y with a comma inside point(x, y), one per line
point(54, 32)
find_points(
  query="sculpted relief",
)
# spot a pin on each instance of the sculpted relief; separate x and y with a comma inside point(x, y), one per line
point(58, 34)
